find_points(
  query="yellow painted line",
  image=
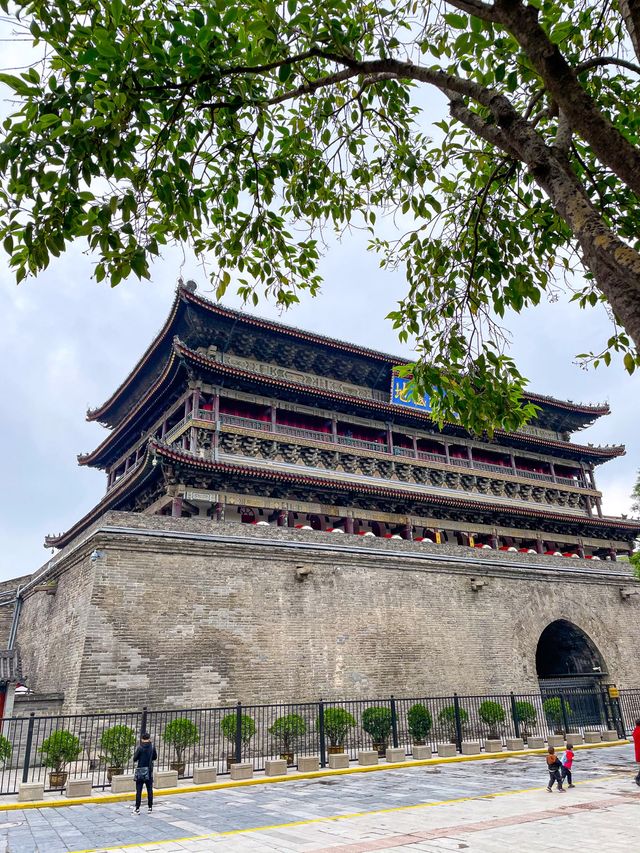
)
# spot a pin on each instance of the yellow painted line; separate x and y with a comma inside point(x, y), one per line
point(329, 818)
point(267, 780)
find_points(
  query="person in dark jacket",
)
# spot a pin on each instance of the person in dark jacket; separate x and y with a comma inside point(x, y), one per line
point(144, 755)
point(553, 766)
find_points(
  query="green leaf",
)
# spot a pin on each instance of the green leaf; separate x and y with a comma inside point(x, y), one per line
point(116, 11)
point(47, 120)
point(17, 84)
point(458, 22)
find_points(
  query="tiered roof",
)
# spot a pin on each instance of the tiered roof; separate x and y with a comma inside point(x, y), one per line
point(199, 322)
point(183, 349)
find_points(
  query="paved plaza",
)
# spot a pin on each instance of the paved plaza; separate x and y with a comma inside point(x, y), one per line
point(481, 807)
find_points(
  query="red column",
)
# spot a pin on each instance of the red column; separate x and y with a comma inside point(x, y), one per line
point(348, 525)
point(176, 508)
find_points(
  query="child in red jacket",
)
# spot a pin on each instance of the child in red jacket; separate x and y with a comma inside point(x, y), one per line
point(636, 741)
point(567, 764)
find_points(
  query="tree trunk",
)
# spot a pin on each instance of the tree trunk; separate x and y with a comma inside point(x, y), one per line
point(630, 11)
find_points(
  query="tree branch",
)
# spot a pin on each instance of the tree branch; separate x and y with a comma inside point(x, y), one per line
point(292, 94)
point(564, 134)
point(485, 11)
point(606, 60)
point(489, 132)
point(560, 80)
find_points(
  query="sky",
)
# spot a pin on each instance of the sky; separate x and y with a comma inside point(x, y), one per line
point(66, 343)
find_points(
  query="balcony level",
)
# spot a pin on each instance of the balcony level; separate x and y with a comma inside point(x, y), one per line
point(341, 434)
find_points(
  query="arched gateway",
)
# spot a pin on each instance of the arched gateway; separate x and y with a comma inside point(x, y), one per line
point(567, 657)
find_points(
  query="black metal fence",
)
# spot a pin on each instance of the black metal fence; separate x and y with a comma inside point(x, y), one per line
point(101, 745)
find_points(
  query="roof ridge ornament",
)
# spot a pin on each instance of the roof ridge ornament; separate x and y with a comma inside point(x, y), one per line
point(189, 285)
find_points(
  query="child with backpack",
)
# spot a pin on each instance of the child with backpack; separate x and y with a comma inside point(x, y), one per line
point(553, 766)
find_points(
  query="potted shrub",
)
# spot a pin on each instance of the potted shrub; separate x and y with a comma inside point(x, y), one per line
point(376, 721)
point(337, 722)
point(228, 727)
point(286, 731)
point(5, 749)
point(117, 744)
point(553, 711)
point(180, 733)
point(59, 749)
point(527, 717)
point(492, 715)
point(419, 722)
point(447, 720)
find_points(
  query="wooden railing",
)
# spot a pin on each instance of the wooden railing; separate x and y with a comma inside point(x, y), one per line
point(314, 435)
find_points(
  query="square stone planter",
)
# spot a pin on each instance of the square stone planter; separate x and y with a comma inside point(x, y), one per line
point(338, 761)
point(241, 771)
point(514, 744)
point(421, 752)
point(610, 735)
point(78, 788)
point(446, 750)
point(535, 743)
point(204, 775)
point(592, 737)
point(368, 756)
point(165, 779)
point(275, 767)
point(122, 784)
point(395, 754)
point(470, 747)
point(308, 763)
point(493, 746)
point(575, 738)
point(30, 791)
point(555, 740)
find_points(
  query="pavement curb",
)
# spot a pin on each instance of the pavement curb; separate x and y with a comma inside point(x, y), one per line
point(267, 780)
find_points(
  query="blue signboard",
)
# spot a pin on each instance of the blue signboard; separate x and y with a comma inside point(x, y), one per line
point(402, 394)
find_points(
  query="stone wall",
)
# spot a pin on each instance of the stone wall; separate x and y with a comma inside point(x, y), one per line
point(184, 612)
point(52, 629)
point(8, 589)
